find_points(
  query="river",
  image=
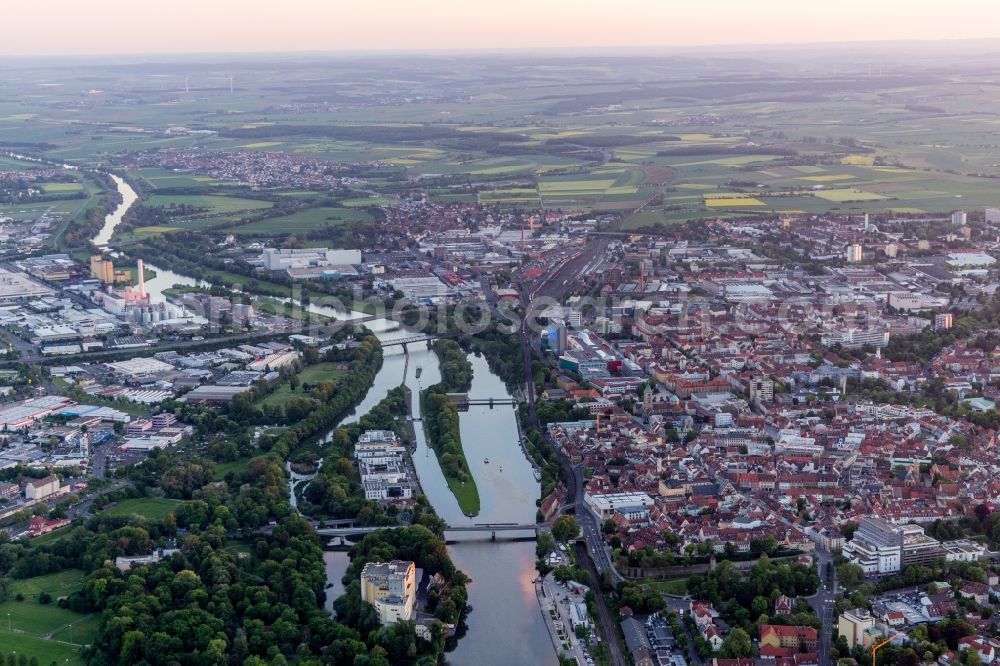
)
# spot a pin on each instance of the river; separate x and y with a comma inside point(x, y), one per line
point(129, 197)
point(505, 625)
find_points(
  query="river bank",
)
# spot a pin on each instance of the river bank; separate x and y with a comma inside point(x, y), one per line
point(503, 626)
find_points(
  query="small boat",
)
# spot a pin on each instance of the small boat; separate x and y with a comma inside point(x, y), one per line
point(486, 460)
point(538, 474)
point(419, 370)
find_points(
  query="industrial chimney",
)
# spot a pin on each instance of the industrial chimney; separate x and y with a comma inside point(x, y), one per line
point(142, 280)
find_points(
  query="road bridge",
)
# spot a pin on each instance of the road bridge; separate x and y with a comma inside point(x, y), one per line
point(491, 401)
point(491, 529)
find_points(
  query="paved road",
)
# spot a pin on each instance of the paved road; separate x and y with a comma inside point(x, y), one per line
point(681, 606)
point(551, 595)
point(822, 603)
point(82, 509)
point(99, 465)
point(609, 628)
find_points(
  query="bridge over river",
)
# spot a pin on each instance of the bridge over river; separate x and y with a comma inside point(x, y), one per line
point(491, 529)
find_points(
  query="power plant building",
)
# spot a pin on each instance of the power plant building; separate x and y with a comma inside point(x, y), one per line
point(134, 304)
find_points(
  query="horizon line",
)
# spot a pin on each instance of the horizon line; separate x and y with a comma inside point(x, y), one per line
point(523, 50)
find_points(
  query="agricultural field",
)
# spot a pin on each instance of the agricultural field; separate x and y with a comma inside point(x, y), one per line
point(611, 187)
point(21, 212)
point(215, 210)
point(212, 204)
point(814, 137)
point(61, 210)
point(367, 201)
point(61, 188)
point(303, 221)
point(154, 178)
point(11, 164)
point(512, 196)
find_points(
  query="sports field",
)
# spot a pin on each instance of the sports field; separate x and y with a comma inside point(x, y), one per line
point(45, 631)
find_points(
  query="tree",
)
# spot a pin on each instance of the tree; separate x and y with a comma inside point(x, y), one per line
point(850, 575)
point(736, 644)
point(971, 658)
point(565, 528)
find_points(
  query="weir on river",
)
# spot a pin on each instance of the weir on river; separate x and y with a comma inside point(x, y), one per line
point(505, 626)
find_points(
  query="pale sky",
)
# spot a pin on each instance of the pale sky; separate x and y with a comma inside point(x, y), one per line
point(55, 27)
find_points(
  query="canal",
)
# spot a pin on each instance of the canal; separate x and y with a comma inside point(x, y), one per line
point(505, 625)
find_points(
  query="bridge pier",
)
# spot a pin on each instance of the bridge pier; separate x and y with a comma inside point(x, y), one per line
point(493, 536)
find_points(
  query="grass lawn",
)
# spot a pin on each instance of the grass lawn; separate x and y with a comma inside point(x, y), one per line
point(312, 374)
point(467, 495)
point(46, 631)
point(54, 535)
point(84, 630)
point(222, 469)
point(677, 588)
point(47, 651)
point(157, 178)
point(57, 584)
point(31, 617)
point(239, 547)
point(153, 508)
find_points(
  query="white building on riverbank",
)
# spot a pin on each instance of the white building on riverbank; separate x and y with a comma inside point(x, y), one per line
point(391, 587)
